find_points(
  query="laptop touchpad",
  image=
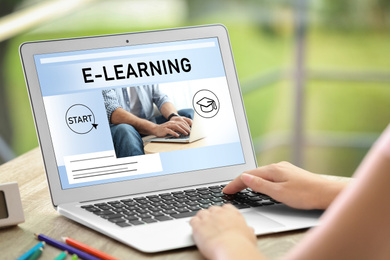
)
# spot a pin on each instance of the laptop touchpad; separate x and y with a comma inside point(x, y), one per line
point(260, 223)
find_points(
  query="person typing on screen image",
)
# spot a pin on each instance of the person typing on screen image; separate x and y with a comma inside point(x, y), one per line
point(130, 112)
point(355, 224)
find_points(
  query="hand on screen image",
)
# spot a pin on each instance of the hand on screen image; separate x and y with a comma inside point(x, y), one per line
point(174, 127)
point(131, 114)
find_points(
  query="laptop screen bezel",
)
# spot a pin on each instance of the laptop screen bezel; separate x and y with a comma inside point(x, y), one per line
point(150, 184)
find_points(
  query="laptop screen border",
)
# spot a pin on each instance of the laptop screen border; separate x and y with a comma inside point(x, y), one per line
point(150, 184)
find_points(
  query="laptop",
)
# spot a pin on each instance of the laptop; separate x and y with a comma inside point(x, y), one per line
point(197, 133)
point(145, 201)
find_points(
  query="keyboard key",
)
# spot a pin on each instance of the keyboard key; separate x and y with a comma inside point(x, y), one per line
point(178, 205)
point(158, 204)
point(184, 215)
point(181, 200)
point(162, 218)
point(142, 216)
point(117, 220)
point(255, 199)
point(144, 206)
point(170, 212)
point(126, 200)
point(179, 196)
point(100, 204)
point(141, 211)
point(182, 210)
point(123, 224)
point(152, 196)
point(168, 197)
point(154, 209)
point(156, 214)
point(149, 220)
point(131, 218)
point(169, 202)
point(136, 222)
point(155, 199)
point(103, 212)
point(204, 201)
point(194, 208)
point(165, 194)
point(92, 209)
point(87, 206)
point(192, 203)
point(177, 192)
point(132, 208)
point(255, 204)
point(105, 207)
point(167, 207)
point(194, 198)
point(120, 210)
point(111, 216)
point(241, 206)
point(218, 194)
point(114, 202)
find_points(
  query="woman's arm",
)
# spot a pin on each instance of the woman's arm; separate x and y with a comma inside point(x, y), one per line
point(357, 224)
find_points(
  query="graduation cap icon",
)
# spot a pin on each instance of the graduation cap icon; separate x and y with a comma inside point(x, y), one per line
point(207, 105)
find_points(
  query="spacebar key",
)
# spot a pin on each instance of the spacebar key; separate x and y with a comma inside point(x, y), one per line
point(184, 215)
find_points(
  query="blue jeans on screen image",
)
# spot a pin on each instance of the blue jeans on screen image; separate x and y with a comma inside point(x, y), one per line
point(128, 142)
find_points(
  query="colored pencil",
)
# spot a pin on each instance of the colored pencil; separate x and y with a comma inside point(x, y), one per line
point(31, 251)
point(61, 256)
point(65, 247)
point(88, 249)
point(36, 254)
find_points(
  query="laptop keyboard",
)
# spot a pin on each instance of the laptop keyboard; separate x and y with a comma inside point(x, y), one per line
point(181, 136)
point(174, 205)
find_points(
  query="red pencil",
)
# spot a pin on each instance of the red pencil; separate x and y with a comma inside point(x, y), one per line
point(88, 249)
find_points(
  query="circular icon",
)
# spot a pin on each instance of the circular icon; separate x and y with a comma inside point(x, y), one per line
point(80, 119)
point(205, 103)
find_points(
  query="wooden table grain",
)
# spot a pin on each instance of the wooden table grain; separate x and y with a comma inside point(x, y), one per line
point(41, 217)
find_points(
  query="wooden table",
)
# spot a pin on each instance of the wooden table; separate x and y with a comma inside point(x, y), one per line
point(41, 217)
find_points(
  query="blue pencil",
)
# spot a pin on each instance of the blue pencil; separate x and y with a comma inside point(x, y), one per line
point(65, 247)
point(31, 251)
point(36, 254)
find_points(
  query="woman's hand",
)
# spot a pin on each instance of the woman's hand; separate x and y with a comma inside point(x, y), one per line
point(222, 233)
point(288, 184)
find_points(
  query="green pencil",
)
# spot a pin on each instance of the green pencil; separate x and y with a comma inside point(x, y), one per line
point(61, 256)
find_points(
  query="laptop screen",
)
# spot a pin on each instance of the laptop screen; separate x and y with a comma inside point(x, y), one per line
point(103, 105)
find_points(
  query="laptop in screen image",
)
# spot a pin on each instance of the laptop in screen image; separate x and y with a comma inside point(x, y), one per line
point(86, 93)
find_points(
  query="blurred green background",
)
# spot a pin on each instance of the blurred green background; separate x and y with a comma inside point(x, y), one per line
point(346, 65)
